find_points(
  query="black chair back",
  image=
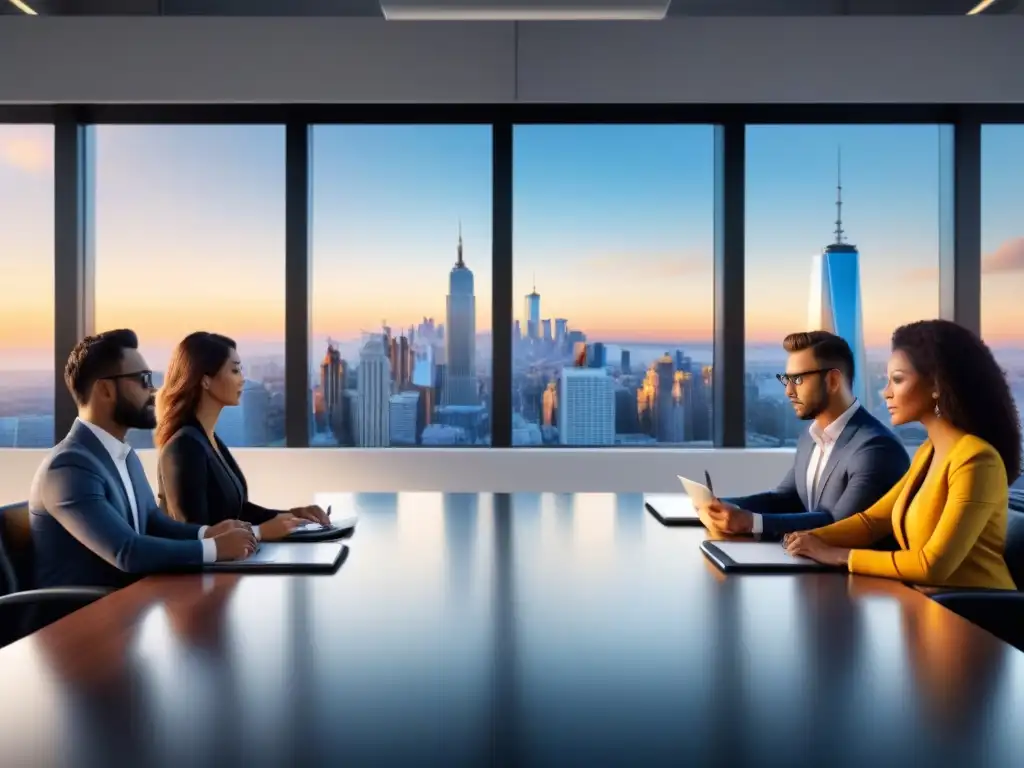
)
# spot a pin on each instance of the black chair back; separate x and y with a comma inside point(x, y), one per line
point(16, 553)
point(24, 608)
point(1014, 553)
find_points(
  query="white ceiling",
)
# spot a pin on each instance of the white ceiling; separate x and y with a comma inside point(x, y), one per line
point(372, 7)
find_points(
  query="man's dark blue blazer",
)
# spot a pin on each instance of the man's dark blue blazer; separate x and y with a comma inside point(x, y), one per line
point(82, 532)
point(866, 461)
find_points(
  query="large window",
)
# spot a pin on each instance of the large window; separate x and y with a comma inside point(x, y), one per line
point(401, 297)
point(26, 286)
point(190, 235)
point(1002, 247)
point(612, 277)
point(811, 264)
point(613, 284)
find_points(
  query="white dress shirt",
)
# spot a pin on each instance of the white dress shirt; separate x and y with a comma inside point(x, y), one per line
point(119, 451)
point(824, 440)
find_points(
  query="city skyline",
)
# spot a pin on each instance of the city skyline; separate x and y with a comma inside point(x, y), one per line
point(617, 257)
point(210, 200)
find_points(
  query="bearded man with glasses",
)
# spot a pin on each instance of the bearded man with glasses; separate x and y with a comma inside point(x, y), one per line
point(94, 519)
point(845, 461)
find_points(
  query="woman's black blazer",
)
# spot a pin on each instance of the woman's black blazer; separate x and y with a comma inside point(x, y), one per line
point(197, 486)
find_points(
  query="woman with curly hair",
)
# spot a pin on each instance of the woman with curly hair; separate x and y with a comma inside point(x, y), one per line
point(949, 511)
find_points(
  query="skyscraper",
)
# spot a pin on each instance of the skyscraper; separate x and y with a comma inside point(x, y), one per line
point(332, 385)
point(401, 362)
point(533, 313)
point(586, 407)
point(246, 424)
point(403, 418)
point(835, 303)
point(374, 393)
point(460, 336)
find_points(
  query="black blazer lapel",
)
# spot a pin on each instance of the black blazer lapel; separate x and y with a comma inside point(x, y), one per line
point(228, 488)
point(230, 459)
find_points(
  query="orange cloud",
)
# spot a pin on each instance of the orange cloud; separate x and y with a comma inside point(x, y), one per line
point(26, 154)
point(1008, 257)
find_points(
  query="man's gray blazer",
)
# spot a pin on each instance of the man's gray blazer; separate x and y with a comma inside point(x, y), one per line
point(866, 461)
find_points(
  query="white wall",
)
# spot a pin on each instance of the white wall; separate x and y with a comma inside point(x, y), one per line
point(922, 60)
point(280, 477)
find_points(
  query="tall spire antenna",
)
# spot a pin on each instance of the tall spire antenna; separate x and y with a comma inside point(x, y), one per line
point(459, 262)
point(839, 195)
point(534, 282)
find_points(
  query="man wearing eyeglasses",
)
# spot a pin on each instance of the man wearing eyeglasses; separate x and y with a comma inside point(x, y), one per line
point(845, 461)
point(95, 521)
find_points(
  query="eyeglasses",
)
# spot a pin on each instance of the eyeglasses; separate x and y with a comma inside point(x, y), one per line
point(798, 378)
point(145, 378)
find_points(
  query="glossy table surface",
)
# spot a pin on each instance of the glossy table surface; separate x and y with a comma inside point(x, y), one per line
point(533, 629)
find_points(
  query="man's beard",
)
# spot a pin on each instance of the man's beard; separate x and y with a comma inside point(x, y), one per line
point(812, 412)
point(134, 417)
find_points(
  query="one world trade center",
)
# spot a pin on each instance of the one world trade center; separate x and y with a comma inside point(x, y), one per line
point(835, 303)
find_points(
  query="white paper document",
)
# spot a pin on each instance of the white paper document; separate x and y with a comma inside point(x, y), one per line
point(671, 506)
point(340, 522)
point(308, 527)
point(263, 555)
point(698, 492)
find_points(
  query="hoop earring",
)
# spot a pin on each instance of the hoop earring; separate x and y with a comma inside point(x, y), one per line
point(937, 414)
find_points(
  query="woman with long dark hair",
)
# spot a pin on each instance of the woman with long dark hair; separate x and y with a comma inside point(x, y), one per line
point(199, 480)
point(949, 511)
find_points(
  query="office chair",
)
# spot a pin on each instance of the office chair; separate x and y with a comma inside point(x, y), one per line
point(20, 605)
point(998, 611)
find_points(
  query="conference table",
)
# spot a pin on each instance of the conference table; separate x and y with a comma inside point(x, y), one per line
point(523, 629)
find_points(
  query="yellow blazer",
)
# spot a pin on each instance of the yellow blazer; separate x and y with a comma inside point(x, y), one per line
point(951, 535)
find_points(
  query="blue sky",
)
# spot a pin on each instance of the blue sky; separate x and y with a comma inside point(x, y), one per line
point(614, 221)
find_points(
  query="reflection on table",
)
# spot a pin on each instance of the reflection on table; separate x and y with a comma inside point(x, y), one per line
point(541, 628)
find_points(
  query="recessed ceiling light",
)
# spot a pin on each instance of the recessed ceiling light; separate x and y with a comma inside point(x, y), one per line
point(524, 10)
point(981, 7)
point(24, 7)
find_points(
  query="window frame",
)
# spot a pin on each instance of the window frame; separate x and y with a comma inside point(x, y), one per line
point(74, 256)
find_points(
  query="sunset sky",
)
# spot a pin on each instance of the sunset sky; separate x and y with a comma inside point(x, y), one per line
point(614, 221)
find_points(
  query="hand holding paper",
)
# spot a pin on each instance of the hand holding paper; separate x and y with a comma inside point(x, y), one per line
point(699, 493)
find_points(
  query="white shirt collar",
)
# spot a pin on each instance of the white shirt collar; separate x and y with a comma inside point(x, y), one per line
point(832, 432)
point(117, 449)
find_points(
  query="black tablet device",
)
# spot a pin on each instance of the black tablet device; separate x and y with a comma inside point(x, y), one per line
point(342, 528)
point(758, 557)
point(278, 557)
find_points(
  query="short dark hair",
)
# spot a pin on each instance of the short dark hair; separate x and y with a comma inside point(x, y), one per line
point(829, 350)
point(94, 358)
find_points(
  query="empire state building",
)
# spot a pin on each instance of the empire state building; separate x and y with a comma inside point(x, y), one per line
point(460, 336)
